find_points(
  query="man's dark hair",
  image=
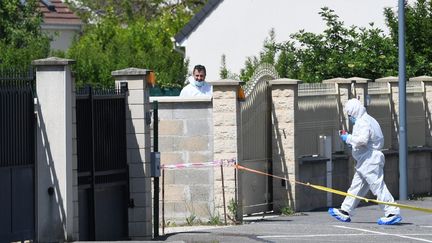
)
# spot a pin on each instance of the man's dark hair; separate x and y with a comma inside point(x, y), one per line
point(199, 68)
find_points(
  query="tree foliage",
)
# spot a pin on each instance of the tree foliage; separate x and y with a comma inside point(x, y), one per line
point(267, 55)
point(118, 41)
point(129, 10)
point(224, 73)
point(339, 51)
point(21, 39)
point(418, 26)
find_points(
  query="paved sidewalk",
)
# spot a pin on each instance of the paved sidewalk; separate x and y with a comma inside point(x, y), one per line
point(315, 226)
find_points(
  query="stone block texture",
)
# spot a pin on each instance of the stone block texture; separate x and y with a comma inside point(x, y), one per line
point(186, 136)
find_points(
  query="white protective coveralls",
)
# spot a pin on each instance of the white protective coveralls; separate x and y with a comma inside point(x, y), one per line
point(192, 89)
point(366, 141)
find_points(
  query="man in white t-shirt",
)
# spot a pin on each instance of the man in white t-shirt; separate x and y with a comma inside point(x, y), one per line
point(197, 85)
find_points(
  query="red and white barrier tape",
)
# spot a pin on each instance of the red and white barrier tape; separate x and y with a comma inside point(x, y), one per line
point(223, 162)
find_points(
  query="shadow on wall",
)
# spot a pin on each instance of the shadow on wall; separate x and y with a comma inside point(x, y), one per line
point(52, 214)
point(138, 159)
point(428, 120)
point(284, 197)
point(342, 121)
point(395, 124)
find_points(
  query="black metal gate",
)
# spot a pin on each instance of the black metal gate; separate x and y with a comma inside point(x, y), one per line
point(17, 158)
point(103, 179)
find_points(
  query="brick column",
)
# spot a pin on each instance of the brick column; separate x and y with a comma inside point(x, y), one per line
point(427, 84)
point(284, 94)
point(226, 122)
point(394, 103)
point(360, 89)
point(56, 179)
point(138, 151)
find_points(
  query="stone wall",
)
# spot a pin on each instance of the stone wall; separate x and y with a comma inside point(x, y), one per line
point(313, 171)
point(419, 171)
point(288, 162)
point(186, 136)
point(200, 130)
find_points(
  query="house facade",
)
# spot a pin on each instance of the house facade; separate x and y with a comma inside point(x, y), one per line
point(60, 23)
point(237, 29)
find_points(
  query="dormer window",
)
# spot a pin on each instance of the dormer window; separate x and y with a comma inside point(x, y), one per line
point(49, 5)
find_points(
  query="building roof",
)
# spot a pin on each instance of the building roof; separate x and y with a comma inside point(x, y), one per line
point(55, 12)
point(197, 19)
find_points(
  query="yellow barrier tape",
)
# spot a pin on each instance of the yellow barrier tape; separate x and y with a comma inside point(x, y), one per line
point(323, 188)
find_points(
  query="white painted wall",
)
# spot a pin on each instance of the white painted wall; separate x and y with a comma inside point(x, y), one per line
point(62, 36)
point(238, 28)
point(55, 168)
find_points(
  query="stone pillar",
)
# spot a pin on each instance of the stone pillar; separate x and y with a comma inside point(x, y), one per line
point(427, 84)
point(284, 94)
point(394, 107)
point(345, 92)
point(226, 122)
point(57, 193)
point(138, 150)
point(360, 89)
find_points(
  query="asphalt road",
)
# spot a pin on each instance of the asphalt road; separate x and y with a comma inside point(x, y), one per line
point(316, 227)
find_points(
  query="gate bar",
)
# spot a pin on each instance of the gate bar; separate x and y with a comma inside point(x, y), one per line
point(223, 194)
point(93, 171)
point(155, 179)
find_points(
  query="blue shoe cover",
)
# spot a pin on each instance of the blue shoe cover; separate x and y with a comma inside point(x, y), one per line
point(394, 219)
point(334, 212)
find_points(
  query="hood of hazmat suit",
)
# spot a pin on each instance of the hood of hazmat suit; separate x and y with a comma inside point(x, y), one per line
point(366, 135)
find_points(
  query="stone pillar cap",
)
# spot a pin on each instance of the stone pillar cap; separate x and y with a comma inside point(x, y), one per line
point(282, 81)
point(130, 72)
point(53, 61)
point(338, 80)
point(226, 82)
point(421, 78)
point(360, 80)
point(390, 79)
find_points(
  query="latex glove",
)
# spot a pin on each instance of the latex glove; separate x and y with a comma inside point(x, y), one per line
point(344, 137)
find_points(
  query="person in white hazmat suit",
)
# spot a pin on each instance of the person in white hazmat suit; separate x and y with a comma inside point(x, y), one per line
point(366, 141)
point(197, 85)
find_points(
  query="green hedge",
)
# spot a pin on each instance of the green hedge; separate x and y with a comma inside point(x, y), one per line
point(157, 91)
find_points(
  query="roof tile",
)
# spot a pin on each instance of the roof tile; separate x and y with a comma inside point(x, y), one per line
point(61, 15)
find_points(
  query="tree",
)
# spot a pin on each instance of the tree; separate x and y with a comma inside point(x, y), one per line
point(128, 10)
point(267, 55)
point(114, 43)
point(21, 38)
point(339, 51)
point(224, 73)
point(418, 22)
